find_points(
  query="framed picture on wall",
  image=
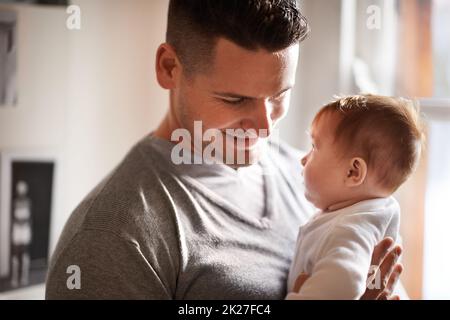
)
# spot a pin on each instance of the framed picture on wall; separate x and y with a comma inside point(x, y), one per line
point(26, 206)
point(44, 2)
point(8, 58)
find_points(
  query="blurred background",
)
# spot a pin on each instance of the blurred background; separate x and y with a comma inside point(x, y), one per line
point(78, 89)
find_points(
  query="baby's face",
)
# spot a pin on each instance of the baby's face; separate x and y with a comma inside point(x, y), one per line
point(324, 167)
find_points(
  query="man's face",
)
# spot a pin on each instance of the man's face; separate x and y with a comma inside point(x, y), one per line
point(244, 89)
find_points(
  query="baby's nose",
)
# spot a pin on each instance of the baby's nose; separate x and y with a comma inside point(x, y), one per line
point(303, 161)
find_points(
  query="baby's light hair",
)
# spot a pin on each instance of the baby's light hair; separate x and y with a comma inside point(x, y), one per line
point(387, 132)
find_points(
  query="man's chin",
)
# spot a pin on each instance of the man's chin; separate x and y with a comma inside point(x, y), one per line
point(244, 144)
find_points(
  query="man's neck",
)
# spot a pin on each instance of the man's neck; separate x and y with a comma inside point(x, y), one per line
point(165, 128)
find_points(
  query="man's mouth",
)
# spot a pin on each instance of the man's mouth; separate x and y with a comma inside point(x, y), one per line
point(242, 141)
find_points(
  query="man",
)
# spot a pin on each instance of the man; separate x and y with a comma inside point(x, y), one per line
point(157, 229)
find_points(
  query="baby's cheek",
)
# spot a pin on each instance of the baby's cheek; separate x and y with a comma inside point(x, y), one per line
point(309, 179)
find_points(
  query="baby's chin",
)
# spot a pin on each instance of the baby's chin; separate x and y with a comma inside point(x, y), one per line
point(310, 199)
point(315, 202)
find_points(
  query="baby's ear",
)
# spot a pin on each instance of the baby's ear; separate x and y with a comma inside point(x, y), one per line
point(356, 172)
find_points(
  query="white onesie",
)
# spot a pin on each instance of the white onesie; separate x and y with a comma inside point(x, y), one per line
point(335, 249)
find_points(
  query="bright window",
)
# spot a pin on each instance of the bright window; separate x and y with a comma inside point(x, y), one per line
point(436, 278)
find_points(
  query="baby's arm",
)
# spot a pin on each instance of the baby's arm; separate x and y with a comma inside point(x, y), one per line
point(340, 271)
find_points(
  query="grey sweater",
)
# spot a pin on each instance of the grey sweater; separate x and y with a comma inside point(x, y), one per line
point(151, 230)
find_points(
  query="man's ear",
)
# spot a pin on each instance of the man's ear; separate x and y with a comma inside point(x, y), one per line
point(168, 67)
point(356, 172)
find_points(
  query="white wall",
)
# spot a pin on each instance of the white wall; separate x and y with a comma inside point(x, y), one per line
point(327, 55)
point(318, 70)
point(113, 95)
point(88, 94)
point(38, 120)
point(42, 80)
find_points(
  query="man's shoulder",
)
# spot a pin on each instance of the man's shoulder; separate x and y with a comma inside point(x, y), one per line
point(125, 198)
point(127, 208)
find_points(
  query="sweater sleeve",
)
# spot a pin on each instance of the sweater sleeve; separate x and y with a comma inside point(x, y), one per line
point(105, 273)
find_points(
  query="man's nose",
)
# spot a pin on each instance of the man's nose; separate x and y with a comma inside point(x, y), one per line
point(264, 118)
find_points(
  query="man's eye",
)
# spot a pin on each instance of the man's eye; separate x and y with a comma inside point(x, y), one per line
point(233, 101)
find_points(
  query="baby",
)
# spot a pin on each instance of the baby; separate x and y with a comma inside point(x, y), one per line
point(363, 148)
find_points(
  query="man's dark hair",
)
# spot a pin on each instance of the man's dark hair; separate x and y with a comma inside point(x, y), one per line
point(194, 27)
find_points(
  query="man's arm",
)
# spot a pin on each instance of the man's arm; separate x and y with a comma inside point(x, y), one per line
point(110, 267)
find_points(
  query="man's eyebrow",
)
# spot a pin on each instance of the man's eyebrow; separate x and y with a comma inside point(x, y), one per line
point(238, 96)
